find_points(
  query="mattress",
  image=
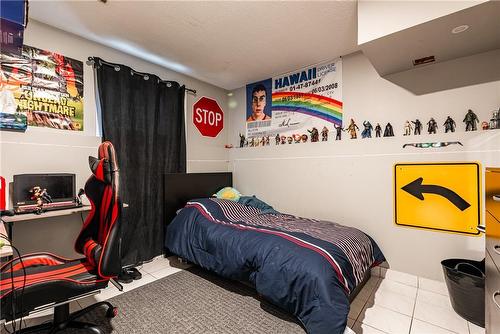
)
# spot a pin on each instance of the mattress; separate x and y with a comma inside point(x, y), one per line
point(308, 267)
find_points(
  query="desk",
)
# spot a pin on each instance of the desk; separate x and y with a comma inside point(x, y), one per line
point(6, 250)
point(47, 214)
point(10, 220)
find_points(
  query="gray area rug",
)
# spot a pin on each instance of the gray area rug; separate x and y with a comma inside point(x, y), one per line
point(194, 301)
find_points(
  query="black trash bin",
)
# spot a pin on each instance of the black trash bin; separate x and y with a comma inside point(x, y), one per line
point(465, 282)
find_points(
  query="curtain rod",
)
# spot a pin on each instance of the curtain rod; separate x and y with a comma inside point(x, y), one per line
point(91, 61)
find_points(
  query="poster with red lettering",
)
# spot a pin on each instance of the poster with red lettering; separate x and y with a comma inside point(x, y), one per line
point(41, 87)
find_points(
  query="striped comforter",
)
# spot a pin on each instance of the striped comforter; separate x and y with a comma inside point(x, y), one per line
point(308, 267)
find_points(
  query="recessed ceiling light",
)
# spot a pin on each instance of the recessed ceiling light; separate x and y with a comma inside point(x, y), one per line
point(230, 94)
point(459, 29)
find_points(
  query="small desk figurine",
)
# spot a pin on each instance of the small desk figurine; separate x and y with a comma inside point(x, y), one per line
point(242, 140)
point(339, 130)
point(418, 127)
point(314, 135)
point(432, 126)
point(378, 130)
point(40, 196)
point(367, 131)
point(324, 134)
point(470, 121)
point(485, 125)
point(277, 139)
point(283, 140)
point(352, 129)
point(408, 128)
point(304, 138)
point(449, 125)
point(389, 131)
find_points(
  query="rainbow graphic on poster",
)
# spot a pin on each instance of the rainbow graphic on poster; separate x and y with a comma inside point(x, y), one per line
point(296, 103)
point(315, 105)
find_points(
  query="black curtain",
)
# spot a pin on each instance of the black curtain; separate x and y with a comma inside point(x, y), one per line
point(144, 119)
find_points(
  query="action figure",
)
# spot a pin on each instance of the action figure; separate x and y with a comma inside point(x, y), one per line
point(277, 139)
point(242, 140)
point(324, 134)
point(252, 143)
point(470, 121)
point(304, 138)
point(432, 126)
point(267, 140)
point(290, 140)
point(352, 129)
point(418, 127)
point(367, 131)
point(485, 125)
point(283, 140)
point(389, 131)
point(449, 125)
point(339, 130)
point(378, 130)
point(297, 138)
point(314, 135)
point(408, 128)
point(40, 196)
point(495, 120)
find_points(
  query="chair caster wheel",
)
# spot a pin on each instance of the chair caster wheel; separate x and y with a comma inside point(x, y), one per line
point(112, 312)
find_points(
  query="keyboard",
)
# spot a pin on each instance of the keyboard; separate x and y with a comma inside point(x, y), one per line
point(30, 208)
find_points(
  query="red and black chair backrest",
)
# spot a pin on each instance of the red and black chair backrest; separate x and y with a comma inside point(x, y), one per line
point(100, 237)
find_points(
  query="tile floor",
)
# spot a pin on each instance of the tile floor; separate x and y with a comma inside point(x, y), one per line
point(395, 303)
point(398, 303)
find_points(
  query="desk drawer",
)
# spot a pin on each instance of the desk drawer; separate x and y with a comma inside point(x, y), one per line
point(492, 296)
point(493, 192)
point(492, 239)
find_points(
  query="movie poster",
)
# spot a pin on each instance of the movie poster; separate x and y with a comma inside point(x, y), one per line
point(296, 103)
point(41, 88)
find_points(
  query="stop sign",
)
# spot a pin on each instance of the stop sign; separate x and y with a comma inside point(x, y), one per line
point(208, 117)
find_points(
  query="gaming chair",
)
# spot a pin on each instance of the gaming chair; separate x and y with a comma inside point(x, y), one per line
point(53, 281)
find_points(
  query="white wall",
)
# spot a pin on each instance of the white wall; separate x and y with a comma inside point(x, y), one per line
point(380, 18)
point(42, 150)
point(350, 182)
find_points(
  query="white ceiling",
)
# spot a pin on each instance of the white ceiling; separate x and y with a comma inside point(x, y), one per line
point(228, 44)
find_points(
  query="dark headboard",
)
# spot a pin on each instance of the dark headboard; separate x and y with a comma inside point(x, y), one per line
point(181, 187)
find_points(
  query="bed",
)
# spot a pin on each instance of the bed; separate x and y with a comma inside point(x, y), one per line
point(308, 267)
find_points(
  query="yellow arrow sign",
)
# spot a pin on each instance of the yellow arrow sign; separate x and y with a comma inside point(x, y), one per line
point(438, 196)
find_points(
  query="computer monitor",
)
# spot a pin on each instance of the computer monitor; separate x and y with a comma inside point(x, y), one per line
point(61, 187)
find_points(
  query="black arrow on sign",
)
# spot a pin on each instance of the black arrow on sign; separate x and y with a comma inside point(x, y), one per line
point(417, 189)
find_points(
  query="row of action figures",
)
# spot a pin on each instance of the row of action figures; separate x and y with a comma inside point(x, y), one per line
point(470, 121)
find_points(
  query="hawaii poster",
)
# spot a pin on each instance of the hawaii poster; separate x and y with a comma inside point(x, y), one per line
point(294, 103)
